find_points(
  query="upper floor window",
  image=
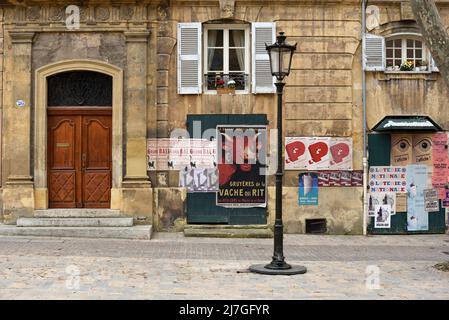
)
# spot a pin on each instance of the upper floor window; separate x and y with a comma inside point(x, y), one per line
point(226, 57)
point(406, 54)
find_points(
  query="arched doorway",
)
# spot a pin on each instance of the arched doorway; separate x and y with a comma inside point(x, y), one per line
point(79, 139)
point(78, 109)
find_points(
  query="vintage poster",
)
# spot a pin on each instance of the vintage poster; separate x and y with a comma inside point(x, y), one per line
point(199, 180)
point(323, 179)
point(417, 217)
point(382, 218)
point(319, 153)
point(422, 149)
point(296, 153)
point(242, 182)
point(334, 179)
point(158, 151)
point(401, 202)
point(357, 178)
point(440, 161)
point(431, 201)
point(341, 154)
point(345, 178)
point(203, 153)
point(445, 201)
point(388, 179)
point(179, 154)
point(381, 198)
point(401, 149)
point(308, 189)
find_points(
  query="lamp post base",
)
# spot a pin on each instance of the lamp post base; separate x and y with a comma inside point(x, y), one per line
point(262, 269)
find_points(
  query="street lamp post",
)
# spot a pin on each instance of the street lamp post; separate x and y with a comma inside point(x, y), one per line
point(281, 54)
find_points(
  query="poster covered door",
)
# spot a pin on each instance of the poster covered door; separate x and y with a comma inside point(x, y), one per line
point(242, 179)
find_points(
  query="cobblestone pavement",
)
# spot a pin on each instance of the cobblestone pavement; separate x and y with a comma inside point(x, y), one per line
point(173, 267)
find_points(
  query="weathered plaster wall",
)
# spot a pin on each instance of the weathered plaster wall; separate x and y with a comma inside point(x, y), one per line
point(1, 109)
point(405, 94)
point(319, 97)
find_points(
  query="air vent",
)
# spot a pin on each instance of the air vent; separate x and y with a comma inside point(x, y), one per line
point(316, 226)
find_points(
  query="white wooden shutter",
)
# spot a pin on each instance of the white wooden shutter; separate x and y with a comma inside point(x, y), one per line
point(189, 58)
point(373, 53)
point(433, 65)
point(262, 80)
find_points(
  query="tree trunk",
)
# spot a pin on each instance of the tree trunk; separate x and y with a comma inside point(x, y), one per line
point(434, 33)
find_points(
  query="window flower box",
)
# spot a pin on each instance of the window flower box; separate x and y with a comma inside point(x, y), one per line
point(225, 90)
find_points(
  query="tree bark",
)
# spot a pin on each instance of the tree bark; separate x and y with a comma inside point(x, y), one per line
point(434, 33)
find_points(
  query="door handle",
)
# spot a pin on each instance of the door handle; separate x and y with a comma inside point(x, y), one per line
point(83, 161)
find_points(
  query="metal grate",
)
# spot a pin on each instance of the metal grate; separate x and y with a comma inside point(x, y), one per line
point(316, 226)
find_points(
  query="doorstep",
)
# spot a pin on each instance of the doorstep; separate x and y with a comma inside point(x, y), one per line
point(227, 231)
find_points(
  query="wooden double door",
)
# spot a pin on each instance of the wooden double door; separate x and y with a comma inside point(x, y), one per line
point(79, 161)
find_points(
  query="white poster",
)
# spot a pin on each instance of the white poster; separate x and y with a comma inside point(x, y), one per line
point(388, 179)
point(382, 218)
point(296, 153)
point(203, 153)
point(179, 154)
point(199, 179)
point(341, 154)
point(381, 198)
point(319, 153)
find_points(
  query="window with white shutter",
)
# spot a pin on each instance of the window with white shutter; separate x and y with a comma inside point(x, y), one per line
point(189, 58)
point(262, 80)
point(373, 53)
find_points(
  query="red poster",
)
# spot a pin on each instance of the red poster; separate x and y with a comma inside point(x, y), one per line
point(440, 163)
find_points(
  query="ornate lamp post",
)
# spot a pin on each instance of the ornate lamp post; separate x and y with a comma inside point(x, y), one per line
point(281, 54)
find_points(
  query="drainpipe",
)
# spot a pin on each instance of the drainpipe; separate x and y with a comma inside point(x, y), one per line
point(365, 159)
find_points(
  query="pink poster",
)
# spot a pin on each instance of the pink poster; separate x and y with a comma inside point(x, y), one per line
point(440, 163)
point(341, 154)
point(319, 153)
point(296, 153)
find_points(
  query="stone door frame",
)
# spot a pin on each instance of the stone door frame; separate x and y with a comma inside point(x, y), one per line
point(40, 122)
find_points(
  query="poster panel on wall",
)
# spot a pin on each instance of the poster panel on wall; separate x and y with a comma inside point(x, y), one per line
point(319, 153)
point(445, 201)
point(203, 153)
point(401, 149)
point(179, 154)
point(431, 201)
point(341, 154)
point(242, 180)
point(199, 179)
point(158, 151)
point(381, 198)
point(388, 179)
point(296, 153)
point(308, 189)
point(440, 161)
point(152, 154)
point(422, 149)
point(417, 217)
point(382, 218)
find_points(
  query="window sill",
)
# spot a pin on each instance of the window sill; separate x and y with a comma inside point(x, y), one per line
point(236, 93)
point(407, 75)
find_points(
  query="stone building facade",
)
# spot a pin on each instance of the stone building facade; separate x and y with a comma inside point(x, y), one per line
point(135, 43)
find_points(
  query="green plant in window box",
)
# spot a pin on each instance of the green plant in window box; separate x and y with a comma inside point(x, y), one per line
point(407, 66)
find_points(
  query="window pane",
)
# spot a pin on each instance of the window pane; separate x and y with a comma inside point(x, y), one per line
point(410, 43)
point(236, 38)
point(389, 62)
point(236, 59)
point(397, 62)
point(397, 53)
point(418, 44)
point(418, 53)
point(398, 43)
point(389, 53)
point(239, 78)
point(215, 38)
point(215, 59)
point(390, 43)
point(410, 53)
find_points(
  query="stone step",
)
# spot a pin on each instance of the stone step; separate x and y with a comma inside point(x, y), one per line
point(74, 222)
point(135, 232)
point(225, 231)
point(77, 213)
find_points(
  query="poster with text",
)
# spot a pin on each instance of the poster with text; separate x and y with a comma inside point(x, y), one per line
point(401, 149)
point(319, 153)
point(388, 179)
point(296, 153)
point(199, 179)
point(431, 201)
point(323, 179)
point(242, 182)
point(357, 178)
point(381, 198)
point(158, 154)
point(382, 218)
point(445, 201)
point(203, 153)
point(308, 189)
point(422, 149)
point(341, 154)
point(440, 174)
point(417, 217)
point(179, 154)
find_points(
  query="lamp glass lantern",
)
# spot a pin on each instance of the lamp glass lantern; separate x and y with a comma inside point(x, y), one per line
point(281, 54)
